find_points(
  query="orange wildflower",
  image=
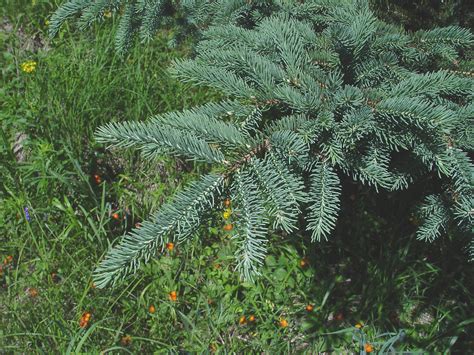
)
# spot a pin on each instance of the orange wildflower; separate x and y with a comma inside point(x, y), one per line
point(115, 216)
point(252, 318)
point(170, 246)
point(228, 227)
point(283, 323)
point(242, 320)
point(227, 202)
point(151, 309)
point(32, 292)
point(98, 179)
point(309, 307)
point(173, 295)
point(84, 321)
point(369, 348)
point(304, 262)
point(8, 260)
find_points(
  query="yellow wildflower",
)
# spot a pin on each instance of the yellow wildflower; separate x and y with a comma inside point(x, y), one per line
point(28, 66)
point(108, 14)
point(227, 213)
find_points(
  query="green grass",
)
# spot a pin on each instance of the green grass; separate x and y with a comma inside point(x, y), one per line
point(372, 271)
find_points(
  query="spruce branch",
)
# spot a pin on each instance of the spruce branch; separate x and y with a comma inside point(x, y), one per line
point(436, 219)
point(251, 228)
point(441, 83)
point(310, 87)
point(224, 80)
point(204, 127)
point(154, 140)
point(452, 35)
point(126, 29)
point(416, 112)
point(324, 197)
point(374, 169)
point(177, 219)
point(152, 19)
point(64, 12)
point(282, 210)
